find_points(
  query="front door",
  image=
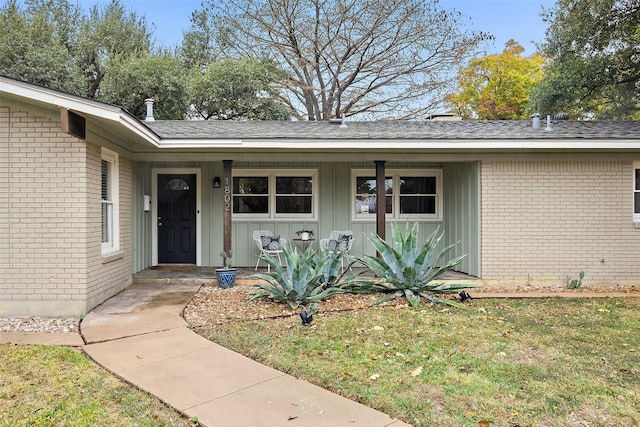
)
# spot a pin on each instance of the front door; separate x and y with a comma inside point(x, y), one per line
point(176, 219)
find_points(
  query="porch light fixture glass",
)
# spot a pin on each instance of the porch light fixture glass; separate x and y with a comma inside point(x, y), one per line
point(216, 182)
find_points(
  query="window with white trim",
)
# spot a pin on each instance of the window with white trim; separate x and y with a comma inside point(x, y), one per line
point(410, 194)
point(275, 194)
point(109, 200)
point(636, 192)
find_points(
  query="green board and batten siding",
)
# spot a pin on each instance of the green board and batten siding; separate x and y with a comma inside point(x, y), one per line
point(460, 216)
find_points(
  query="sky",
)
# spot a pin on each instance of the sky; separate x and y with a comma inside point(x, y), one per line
point(505, 19)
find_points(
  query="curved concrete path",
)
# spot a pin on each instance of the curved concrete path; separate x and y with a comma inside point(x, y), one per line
point(140, 336)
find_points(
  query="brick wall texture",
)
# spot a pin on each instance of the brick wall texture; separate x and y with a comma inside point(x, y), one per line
point(50, 220)
point(544, 220)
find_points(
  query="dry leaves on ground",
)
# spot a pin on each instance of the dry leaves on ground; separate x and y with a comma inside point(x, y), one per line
point(213, 305)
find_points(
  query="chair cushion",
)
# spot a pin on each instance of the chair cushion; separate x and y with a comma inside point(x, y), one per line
point(341, 244)
point(270, 243)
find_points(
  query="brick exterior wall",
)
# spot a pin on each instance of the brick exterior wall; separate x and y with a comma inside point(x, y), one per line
point(544, 220)
point(49, 220)
point(109, 274)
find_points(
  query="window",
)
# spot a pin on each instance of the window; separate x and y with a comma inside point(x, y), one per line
point(409, 194)
point(109, 201)
point(636, 192)
point(275, 194)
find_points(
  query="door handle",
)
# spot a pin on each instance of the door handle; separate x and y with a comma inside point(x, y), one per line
point(159, 224)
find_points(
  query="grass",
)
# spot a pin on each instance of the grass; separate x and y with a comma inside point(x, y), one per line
point(61, 386)
point(534, 362)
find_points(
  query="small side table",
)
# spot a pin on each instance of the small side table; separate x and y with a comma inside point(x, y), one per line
point(303, 244)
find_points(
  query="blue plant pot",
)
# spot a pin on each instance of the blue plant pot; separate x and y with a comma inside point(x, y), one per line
point(226, 277)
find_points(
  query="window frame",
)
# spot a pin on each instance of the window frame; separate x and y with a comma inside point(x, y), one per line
point(635, 190)
point(112, 243)
point(271, 175)
point(396, 175)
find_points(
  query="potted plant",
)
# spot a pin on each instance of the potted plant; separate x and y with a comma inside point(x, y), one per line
point(226, 275)
point(304, 234)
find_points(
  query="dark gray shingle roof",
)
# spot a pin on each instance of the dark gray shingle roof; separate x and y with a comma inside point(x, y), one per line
point(468, 130)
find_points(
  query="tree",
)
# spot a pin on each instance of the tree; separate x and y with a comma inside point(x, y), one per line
point(348, 57)
point(39, 44)
point(52, 44)
point(161, 76)
point(498, 87)
point(593, 48)
point(111, 32)
point(238, 89)
point(198, 45)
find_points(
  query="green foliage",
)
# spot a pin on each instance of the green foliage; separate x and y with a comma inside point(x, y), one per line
point(53, 44)
point(593, 68)
point(303, 281)
point(39, 44)
point(498, 87)
point(110, 32)
point(197, 49)
point(575, 283)
point(238, 89)
point(226, 258)
point(161, 76)
point(408, 270)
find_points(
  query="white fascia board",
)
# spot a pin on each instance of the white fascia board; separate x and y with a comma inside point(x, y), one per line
point(201, 143)
point(400, 144)
point(139, 129)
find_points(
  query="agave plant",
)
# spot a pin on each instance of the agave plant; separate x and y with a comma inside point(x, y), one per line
point(407, 270)
point(303, 281)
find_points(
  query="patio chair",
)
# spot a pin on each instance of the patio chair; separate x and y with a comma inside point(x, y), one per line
point(338, 241)
point(269, 244)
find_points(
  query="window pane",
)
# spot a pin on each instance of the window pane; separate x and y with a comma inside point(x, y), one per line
point(367, 204)
point(636, 203)
point(107, 214)
point(177, 185)
point(418, 205)
point(251, 185)
point(250, 204)
point(293, 204)
point(294, 185)
point(367, 185)
point(418, 185)
point(637, 179)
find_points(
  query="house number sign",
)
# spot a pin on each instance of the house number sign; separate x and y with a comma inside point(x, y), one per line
point(227, 195)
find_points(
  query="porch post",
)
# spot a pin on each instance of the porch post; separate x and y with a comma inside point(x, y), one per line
point(227, 205)
point(381, 201)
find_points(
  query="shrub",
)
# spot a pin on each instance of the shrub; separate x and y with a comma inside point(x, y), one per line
point(303, 281)
point(575, 283)
point(407, 270)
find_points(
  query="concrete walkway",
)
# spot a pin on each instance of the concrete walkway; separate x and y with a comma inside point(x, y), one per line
point(140, 336)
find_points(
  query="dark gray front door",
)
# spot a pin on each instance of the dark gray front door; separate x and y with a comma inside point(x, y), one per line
point(177, 219)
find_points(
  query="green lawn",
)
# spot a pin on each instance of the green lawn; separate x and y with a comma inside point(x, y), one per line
point(61, 386)
point(536, 362)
